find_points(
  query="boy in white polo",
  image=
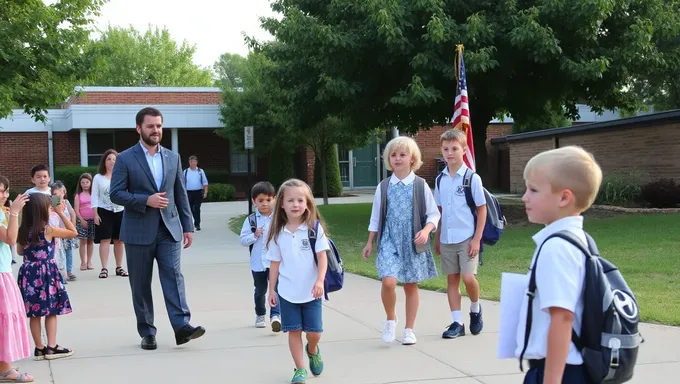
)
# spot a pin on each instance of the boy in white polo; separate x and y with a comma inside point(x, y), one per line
point(560, 185)
point(458, 237)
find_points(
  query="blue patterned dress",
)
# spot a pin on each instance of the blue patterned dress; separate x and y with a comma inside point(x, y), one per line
point(396, 253)
point(40, 282)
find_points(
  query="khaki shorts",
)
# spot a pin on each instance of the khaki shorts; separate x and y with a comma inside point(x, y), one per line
point(455, 259)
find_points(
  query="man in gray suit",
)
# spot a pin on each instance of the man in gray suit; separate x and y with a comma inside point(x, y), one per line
point(147, 181)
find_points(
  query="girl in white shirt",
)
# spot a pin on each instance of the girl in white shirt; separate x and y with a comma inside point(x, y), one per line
point(299, 273)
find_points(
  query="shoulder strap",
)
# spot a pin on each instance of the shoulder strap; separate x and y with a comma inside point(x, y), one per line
point(311, 233)
point(467, 189)
point(438, 180)
point(200, 175)
point(419, 196)
point(253, 222)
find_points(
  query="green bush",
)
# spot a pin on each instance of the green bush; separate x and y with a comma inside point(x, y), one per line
point(281, 166)
point(220, 192)
point(69, 175)
point(620, 188)
point(662, 193)
point(332, 175)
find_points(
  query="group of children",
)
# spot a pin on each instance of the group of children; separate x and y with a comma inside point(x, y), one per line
point(560, 185)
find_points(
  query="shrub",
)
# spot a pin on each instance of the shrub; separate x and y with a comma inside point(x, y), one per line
point(332, 175)
point(220, 192)
point(662, 193)
point(621, 188)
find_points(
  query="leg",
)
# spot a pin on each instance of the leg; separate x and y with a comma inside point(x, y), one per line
point(36, 331)
point(83, 251)
point(312, 324)
point(453, 291)
point(9, 374)
point(260, 295)
point(118, 249)
point(471, 286)
point(389, 297)
point(197, 215)
point(90, 252)
point(51, 330)
point(412, 302)
point(69, 260)
point(191, 195)
point(141, 272)
point(104, 245)
point(168, 254)
point(468, 267)
point(295, 345)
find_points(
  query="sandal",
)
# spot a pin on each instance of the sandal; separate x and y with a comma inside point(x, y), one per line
point(83, 267)
point(71, 276)
point(19, 378)
point(90, 267)
point(39, 353)
point(57, 352)
point(121, 272)
point(104, 273)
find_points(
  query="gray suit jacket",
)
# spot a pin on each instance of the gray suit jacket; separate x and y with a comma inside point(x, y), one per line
point(131, 185)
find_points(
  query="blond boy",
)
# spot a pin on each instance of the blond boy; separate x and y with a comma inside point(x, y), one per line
point(458, 237)
point(560, 185)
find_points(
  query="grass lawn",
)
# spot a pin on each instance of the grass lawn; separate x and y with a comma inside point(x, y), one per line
point(643, 247)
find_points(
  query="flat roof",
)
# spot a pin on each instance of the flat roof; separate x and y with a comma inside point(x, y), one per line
point(150, 89)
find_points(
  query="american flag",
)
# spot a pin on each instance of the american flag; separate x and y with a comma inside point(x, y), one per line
point(461, 111)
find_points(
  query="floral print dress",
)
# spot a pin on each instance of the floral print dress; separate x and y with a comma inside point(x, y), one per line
point(40, 282)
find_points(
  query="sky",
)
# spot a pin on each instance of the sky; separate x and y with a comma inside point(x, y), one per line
point(213, 26)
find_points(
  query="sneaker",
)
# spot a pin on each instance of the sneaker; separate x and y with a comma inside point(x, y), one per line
point(300, 376)
point(389, 329)
point(276, 323)
point(408, 337)
point(476, 322)
point(455, 330)
point(259, 322)
point(315, 361)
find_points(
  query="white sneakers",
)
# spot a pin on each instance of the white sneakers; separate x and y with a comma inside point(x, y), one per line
point(389, 330)
point(276, 323)
point(408, 337)
point(259, 322)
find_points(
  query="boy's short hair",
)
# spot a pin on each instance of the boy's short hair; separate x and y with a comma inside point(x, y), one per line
point(571, 168)
point(39, 167)
point(193, 157)
point(262, 188)
point(407, 143)
point(454, 134)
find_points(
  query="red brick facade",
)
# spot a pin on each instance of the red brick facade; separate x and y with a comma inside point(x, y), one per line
point(151, 98)
point(66, 147)
point(19, 152)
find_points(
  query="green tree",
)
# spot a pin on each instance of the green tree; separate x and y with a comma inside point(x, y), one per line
point(553, 116)
point(126, 57)
point(384, 63)
point(230, 69)
point(41, 50)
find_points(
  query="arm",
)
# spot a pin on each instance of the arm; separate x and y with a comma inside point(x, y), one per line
point(205, 185)
point(373, 223)
point(322, 246)
point(274, 256)
point(559, 339)
point(247, 236)
point(118, 191)
point(76, 201)
point(182, 201)
point(8, 234)
point(94, 202)
point(65, 233)
point(72, 212)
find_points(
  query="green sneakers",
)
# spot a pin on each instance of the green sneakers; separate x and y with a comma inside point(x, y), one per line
point(315, 361)
point(300, 376)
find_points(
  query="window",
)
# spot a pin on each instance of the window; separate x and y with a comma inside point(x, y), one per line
point(97, 144)
point(238, 161)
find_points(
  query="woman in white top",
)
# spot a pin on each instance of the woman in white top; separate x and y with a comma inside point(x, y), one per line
point(107, 216)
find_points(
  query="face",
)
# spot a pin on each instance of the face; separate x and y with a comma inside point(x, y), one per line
point(453, 153)
point(59, 192)
point(110, 162)
point(41, 179)
point(151, 131)
point(401, 160)
point(193, 163)
point(294, 202)
point(85, 184)
point(4, 194)
point(541, 203)
point(264, 203)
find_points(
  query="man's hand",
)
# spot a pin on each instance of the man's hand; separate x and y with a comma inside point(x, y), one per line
point(157, 200)
point(188, 238)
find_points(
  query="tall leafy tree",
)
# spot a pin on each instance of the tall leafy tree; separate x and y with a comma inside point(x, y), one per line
point(390, 62)
point(41, 50)
point(127, 57)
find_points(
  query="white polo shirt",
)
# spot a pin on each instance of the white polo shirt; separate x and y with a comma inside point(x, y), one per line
point(458, 223)
point(258, 260)
point(560, 276)
point(298, 271)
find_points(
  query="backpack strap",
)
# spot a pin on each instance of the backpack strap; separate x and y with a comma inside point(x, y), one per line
point(438, 181)
point(575, 241)
point(467, 189)
point(311, 233)
point(252, 220)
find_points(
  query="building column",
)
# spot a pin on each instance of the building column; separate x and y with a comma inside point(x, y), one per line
point(83, 148)
point(174, 140)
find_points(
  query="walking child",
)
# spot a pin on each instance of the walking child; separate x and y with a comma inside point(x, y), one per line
point(40, 282)
point(403, 216)
point(15, 343)
point(65, 246)
point(560, 185)
point(85, 223)
point(300, 272)
point(254, 237)
point(458, 238)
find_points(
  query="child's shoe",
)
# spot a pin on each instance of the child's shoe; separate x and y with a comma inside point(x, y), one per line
point(389, 329)
point(259, 322)
point(315, 361)
point(300, 376)
point(455, 330)
point(57, 352)
point(276, 323)
point(408, 337)
point(476, 322)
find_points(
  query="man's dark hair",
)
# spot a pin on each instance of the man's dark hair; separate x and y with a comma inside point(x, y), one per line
point(148, 111)
point(263, 188)
point(38, 168)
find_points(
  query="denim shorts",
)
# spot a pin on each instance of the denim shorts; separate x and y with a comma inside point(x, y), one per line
point(301, 316)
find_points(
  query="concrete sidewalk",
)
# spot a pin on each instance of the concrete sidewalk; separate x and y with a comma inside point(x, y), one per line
point(103, 335)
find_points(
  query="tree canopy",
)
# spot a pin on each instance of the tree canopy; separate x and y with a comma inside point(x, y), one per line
point(41, 52)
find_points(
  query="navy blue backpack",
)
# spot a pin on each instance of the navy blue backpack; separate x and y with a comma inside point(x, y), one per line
point(335, 273)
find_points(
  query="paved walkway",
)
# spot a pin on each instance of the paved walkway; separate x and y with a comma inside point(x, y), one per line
point(103, 335)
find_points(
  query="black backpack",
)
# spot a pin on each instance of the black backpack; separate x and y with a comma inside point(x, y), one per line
point(609, 338)
point(252, 220)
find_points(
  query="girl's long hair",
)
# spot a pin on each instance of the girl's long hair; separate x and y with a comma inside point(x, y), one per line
point(5, 182)
point(34, 218)
point(280, 219)
point(79, 188)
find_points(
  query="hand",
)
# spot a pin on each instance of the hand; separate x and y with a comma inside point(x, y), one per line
point(272, 299)
point(422, 237)
point(366, 252)
point(474, 248)
point(18, 204)
point(205, 195)
point(259, 232)
point(157, 200)
point(83, 223)
point(97, 220)
point(317, 291)
point(60, 209)
point(188, 238)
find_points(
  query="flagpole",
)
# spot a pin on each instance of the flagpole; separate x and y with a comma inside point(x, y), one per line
point(459, 54)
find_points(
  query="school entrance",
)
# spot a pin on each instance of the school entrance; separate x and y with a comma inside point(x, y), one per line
point(361, 167)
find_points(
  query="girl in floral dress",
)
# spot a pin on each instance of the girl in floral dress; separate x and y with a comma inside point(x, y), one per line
point(40, 282)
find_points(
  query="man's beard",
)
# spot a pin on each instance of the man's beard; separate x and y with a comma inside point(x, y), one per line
point(148, 141)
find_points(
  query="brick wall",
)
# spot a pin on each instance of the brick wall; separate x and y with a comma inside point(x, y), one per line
point(520, 153)
point(66, 148)
point(152, 98)
point(19, 152)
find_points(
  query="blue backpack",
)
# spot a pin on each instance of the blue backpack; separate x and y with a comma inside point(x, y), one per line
point(495, 220)
point(335, 273)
